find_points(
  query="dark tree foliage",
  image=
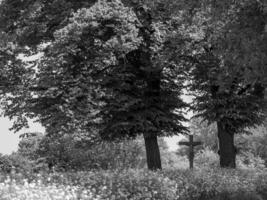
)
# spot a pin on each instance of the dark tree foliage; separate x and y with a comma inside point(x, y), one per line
point(228, 81)
point(223, 52)
point(104, 66)
point(120, 66)
point(34, 22)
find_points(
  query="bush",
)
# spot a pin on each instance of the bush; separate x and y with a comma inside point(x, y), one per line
point(207, 158)
point(66, 154)
point(16, 163)
point(248, 160)
point(70, 152)
point(5, 164)
point(170, 160)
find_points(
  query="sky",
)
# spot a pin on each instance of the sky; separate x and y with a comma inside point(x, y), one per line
point(8, 139)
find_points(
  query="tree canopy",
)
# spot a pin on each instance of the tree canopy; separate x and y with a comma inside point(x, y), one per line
point(224, 55)
point(119, 67)
point(104, 66)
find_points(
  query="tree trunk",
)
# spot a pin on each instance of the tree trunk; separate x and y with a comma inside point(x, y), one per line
point(152, 153)
point(227, 149)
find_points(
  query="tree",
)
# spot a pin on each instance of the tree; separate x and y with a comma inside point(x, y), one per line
point(103, 67)
point(250, 144)
point(225, 55)
point(229, 96)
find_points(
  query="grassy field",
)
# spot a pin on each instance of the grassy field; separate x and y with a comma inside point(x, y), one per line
point(203, 184)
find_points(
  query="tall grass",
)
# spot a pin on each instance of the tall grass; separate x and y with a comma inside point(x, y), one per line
point(137, 184)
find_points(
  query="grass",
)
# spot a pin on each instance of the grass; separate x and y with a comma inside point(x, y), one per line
point(172, 184)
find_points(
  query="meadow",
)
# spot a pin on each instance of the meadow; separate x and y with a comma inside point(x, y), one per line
point(137, 184)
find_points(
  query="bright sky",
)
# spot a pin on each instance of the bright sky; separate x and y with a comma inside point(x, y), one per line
point(8, 139)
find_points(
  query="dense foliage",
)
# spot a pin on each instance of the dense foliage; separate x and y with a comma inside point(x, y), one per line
point(226, 65)
point(116, 70)
point(73, 152)
point(138, 184)
point(103, 65)
point(108, 70)
point(250, 145)
point(254, 143)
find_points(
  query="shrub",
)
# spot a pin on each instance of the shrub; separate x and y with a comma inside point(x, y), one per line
point(21, 164)
point(109, 155)
point(170, 160)
point(66, 153)
point(207, 158)
point(248, 160)
point(16, 163)
point(5, 164)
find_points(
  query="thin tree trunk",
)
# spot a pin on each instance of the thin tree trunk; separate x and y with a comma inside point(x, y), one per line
point(227, 150)
point(152, 153)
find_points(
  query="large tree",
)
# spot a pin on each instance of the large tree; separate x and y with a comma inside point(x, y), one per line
point(104, 66)
point(227, 62)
